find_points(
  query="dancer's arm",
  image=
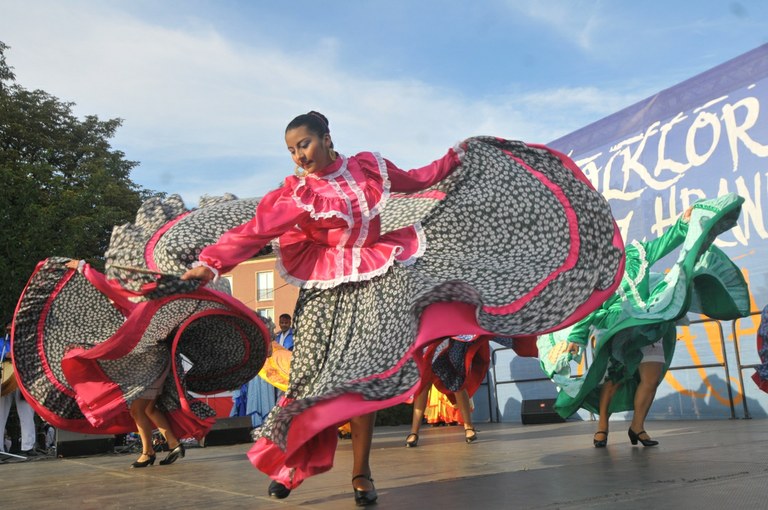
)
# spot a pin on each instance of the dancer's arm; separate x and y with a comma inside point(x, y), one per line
point(407, 181)
point(275, 214)
point(669, 240)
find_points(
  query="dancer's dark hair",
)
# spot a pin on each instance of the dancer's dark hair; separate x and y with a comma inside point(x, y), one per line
point(314, 121)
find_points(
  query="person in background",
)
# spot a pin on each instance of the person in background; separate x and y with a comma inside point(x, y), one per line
point(285, 336)
point(23, 409)
point(458, 367)
point(420, 405)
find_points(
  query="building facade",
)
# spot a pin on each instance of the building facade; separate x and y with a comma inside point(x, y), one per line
point(258, 284)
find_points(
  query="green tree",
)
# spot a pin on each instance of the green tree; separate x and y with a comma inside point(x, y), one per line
point(65, 187)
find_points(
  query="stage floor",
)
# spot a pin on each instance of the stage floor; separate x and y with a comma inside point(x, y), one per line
point(703, 464)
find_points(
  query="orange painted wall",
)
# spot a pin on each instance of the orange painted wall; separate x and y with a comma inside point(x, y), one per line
point(243, 280)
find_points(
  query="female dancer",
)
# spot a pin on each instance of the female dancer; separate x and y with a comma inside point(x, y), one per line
point(374, 293)
point(458, 369)
point(635, 328)
point(104, 355)
point(146, 415)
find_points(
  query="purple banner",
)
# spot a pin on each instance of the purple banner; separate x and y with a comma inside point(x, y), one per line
point(701, 138)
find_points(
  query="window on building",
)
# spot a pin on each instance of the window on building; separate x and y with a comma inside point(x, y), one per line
point(265, 286)
point(268, 313)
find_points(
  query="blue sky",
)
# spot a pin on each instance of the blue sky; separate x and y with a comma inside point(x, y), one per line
point(206, 87)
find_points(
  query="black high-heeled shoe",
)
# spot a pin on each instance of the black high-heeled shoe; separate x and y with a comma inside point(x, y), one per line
point(174, 455)
point(634, 437)
point(472, 438)
point(412, 443)
point(363, 497)
point(278, 490)
point(600, 443)
point(144, 463)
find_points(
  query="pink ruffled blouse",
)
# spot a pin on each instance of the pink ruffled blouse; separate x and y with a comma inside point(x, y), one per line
point(325, 227)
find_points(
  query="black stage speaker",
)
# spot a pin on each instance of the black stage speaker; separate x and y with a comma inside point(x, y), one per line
point(233, 430)
point(537, 411)
point(75, 444)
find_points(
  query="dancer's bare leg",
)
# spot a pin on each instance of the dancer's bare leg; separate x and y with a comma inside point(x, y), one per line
point(144, 426)
point(606, 394)
point(465, 409)
point(419, 405)
point(161, 422)
point(650, 377)
point(362, 437)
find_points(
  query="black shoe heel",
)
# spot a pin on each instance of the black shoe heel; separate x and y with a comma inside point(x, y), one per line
point(635, 437)
point(472, 438)
point(150, 461)
point(174, 455)
point(412, 443)
point(600, 443)
point(363, 497)
point(278, 490)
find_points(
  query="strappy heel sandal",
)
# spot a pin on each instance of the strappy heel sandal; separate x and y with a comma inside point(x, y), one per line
point(412, 443)
point(472, 438)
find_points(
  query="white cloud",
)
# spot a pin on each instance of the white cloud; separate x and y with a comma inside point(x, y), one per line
point(192, 95)
point(574, 20)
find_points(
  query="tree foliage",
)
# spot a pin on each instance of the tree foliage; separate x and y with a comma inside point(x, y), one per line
point(65, 186)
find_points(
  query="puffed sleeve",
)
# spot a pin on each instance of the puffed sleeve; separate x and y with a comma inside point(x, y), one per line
point(668, 241)
point(421, 178)
point(275, 214)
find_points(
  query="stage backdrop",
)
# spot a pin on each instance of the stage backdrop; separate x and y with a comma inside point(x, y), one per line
point(701, 138)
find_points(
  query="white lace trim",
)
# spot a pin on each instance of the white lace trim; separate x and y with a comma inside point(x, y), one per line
point(348, 232)
point(633, 283)
point(365, 220)
point(310, 208)
point(459, 151)
point(213, 269)
point(328, 284)
point(386, 185)
point(421, 238)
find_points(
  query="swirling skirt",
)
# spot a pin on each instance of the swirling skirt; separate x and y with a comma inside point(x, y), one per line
point(83, 352)
point(519, 243)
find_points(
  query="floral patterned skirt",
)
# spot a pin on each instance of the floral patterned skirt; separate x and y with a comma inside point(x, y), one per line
point(518, 243)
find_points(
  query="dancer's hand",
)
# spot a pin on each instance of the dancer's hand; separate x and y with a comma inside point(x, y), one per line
point(573, 347)
point(75, 264)
point(687, 214)
point(201, 273)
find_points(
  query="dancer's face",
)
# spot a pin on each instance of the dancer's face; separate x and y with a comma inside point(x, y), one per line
point(308, 150)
